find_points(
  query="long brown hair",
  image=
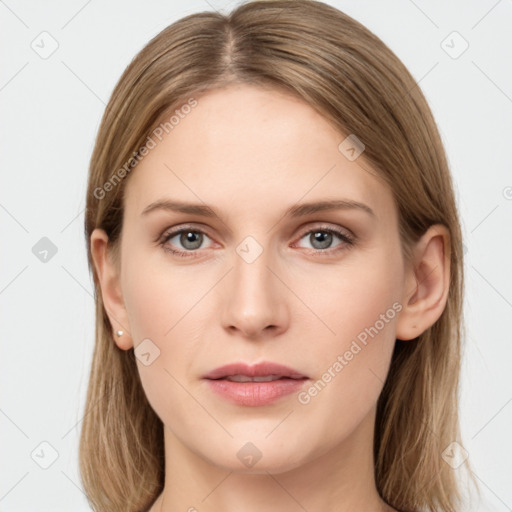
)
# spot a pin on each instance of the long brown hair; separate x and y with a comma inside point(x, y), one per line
point(351, 77)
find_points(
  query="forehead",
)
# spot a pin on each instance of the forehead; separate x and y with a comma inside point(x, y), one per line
point(243, 146)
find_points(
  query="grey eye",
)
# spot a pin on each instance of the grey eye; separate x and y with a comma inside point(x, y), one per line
point(321, 239)
point(191, 240)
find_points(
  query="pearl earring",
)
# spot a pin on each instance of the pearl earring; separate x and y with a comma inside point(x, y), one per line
point(119, 333)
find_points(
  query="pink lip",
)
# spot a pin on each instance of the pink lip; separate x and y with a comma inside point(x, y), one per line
point(255, 393)
point(256, 370)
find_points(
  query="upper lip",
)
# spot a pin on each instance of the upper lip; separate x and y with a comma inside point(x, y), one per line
point(256, 370)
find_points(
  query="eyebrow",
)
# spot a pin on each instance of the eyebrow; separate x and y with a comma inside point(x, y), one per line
point(298, 210)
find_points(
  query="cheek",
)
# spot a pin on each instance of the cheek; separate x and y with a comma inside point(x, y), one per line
point(156, 295)
point(346, 300)
point(352, 363)
point(159, 302)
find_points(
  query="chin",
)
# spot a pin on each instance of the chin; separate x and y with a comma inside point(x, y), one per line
point(256, 455)
point(277, 463)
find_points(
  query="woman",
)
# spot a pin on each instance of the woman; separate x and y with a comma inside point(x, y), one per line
point(277, 256)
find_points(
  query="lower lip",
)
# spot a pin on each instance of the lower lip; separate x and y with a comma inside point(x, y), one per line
point(255, 393)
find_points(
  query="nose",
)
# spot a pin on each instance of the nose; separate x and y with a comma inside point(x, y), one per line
point(254, 304)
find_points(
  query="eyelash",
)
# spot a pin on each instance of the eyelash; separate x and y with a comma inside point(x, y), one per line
point(348, 241)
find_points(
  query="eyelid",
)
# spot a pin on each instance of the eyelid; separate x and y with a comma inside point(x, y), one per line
point(204, 230)
point(347, 237)
point(327, 227)
point(177, 230)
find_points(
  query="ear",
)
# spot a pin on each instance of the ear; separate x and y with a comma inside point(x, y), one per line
point(109, 280)
point(426, 285)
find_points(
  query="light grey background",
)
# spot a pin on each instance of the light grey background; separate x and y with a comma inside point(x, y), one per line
point(50, 111)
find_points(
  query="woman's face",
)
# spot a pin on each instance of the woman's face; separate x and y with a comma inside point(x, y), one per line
point(261, 279)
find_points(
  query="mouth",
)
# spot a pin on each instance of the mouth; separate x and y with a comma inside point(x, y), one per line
point(245, 378)
point(265, 370)
point(255, 385)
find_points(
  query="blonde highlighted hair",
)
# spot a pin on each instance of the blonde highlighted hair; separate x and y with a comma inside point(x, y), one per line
point(353, 79)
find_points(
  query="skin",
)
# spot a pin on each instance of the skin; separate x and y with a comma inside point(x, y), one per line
point(251, 153)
